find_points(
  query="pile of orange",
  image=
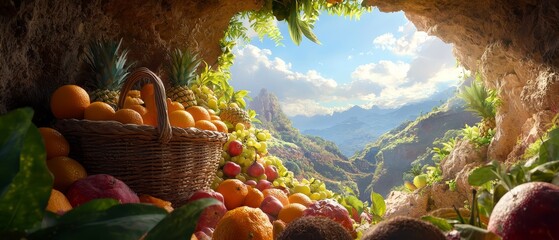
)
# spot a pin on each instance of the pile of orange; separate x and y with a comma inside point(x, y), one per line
point(64, 169)
point(72, 101)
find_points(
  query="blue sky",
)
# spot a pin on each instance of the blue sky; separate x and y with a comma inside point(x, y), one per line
point(380, 60)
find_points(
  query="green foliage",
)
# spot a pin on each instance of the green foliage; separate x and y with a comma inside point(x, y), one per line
point(104, 219)
point(442, 152)
point(23, 201)
point(495, 179)
point(473, 135)
point(479, 99)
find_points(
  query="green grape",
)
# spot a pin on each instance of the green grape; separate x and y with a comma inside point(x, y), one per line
point(220, 174)
point(241, 177)
point(315, 196)
point(261, 136)
point(221, 161)
point(239, 127)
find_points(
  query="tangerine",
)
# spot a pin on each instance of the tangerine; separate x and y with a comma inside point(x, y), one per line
point(66, 171)
point(244, 223)
point(254, 197)
point(234, 193)
point(221, 126)
point(99, 111)
point(173, 106)
point(69, 101)
point(139, 108)
point(128, 116)
point(215, 117)
point(300, 198)
point(132, 101)
point(205, 125)
point(277, 193)
point(291, 212)
point(144, 198)
point(58, 203)
point(199, 113)
point(181, 118)
point(55, 143)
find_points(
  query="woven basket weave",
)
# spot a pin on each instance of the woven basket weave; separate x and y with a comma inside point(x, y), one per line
point(166, 162)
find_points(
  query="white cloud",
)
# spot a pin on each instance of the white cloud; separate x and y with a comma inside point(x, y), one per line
point(384, 83)
point(408, 44)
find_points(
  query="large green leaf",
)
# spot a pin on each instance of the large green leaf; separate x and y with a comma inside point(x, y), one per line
point(549, 150)
point(440, 223)
point(481, 175)
point(378, 206)
point(180, 224)
point(120, 221)
point(13, 127)
point(23, 204)
point(88, 211)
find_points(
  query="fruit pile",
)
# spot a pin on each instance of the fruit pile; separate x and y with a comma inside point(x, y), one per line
point(249, 182)
point(73, 187)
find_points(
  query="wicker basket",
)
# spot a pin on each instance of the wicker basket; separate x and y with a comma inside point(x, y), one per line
point(166, 162)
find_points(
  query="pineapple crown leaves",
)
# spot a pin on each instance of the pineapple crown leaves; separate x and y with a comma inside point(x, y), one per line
point(107, 62)
point(480, 100)
point(182, 67)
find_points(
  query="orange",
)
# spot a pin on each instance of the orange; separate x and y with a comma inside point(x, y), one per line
point(254, 197)
point(144, 198)
point(128, 116)
point(55, 144)
point(69, 101)
point(58, 203)
point(173, 106)
point(181, 118)
point(214, 117)
point(300, 198)
point(277, 193)
point(66, 171)
point(234, 192)
point(139, 108)
point(99, 111)
point(134, 93)
point(221, 126)
point(132, 101)
point(147, 90)
point(205, 125)
point(244, 223)
point(199, 113)
point(291, 212)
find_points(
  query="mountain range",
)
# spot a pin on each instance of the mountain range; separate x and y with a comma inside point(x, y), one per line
point(353, 128)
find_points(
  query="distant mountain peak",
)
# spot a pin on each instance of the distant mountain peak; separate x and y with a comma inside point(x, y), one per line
point(268, 107)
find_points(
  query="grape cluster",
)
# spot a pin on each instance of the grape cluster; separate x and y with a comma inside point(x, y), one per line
point(255, 147)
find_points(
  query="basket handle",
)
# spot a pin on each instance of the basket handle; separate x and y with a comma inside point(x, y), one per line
point(163, 126)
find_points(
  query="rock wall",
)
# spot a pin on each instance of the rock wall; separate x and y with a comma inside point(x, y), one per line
point(513, 44)
point(42, 42)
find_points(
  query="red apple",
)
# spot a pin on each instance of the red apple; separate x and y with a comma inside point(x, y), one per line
point(212, 214)
point(256, 169)
point(206, 194)
point(263, 184)
point(271, 172)
point(235, 148)
point(251, 183)
point(100, 186)
point(271, 205)
point(231, 169)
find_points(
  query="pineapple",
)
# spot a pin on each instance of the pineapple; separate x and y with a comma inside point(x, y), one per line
point(234, 115)
point(481, 101)
point(108, 70)
point(181, 70)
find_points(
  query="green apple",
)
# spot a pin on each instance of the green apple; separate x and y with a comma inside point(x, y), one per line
point(410, 186)
point(420, 180)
